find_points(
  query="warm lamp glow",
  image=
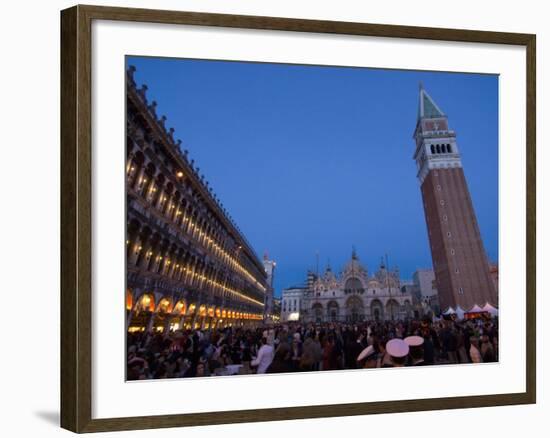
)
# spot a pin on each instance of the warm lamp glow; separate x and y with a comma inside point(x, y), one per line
point(202, 310)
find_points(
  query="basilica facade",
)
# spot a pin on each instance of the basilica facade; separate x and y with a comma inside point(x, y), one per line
point(353, 296)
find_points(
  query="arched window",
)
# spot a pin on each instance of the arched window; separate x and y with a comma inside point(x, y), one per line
point(332, 311)
point(449, 150)
point(318, 312)
point(438, 147)
point(432, 149)
point(377, 310)
point(353, 285)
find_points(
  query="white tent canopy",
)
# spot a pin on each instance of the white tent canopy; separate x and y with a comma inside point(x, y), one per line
point(490, 309)
point(458, 312)
point(476, 308)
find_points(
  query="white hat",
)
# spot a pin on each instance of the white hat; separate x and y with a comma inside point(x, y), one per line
point(414, 341)
point(366, 353)
point(397, 348)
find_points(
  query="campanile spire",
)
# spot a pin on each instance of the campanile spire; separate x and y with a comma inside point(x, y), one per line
point(459, 259)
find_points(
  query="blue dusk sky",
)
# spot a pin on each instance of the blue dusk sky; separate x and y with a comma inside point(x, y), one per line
point(312, 159)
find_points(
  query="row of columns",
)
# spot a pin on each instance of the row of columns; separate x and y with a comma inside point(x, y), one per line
point(193, 316)
point(151, 253)
point(194, 321)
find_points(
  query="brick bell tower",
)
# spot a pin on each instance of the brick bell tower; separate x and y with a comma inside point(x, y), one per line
point(459, 259)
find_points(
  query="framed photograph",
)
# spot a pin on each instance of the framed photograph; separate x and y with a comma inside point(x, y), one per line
point(270, 218)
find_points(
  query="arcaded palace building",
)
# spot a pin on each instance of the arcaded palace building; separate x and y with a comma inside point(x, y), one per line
point(463, 275)
point(188, 264)
point(352, 296)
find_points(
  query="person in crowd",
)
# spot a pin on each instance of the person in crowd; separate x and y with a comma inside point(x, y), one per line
point(296, 353)
point(398, 350)
point(475, 354)
point(385, 358)
point(368, 358)
point(330, 354)
point(355, 342)
point(282, 361)
point(264, 358)
point(201, 370)
point(311, 353)
point(430, 344)
point(487, 351)
point(452, 345)
point(448, 342)
point(462, 354)
point(416, 350)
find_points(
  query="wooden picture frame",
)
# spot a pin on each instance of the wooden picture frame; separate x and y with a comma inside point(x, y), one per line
point(76, 217)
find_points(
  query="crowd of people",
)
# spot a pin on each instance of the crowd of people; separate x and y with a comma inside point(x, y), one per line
point(295, 347)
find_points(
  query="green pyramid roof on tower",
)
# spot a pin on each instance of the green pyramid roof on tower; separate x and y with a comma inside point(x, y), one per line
point(430, 110)
point(427, 108)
